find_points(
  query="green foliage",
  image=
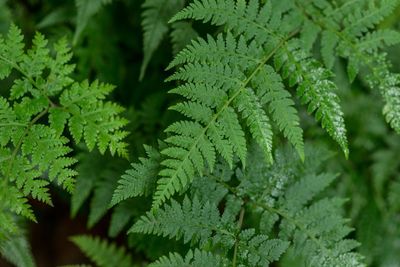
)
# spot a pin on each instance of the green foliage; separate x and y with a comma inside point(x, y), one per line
point(85, 10)
point(236, 69)
point(311, 227)
point(17, 250)
point(33, 152)
point(238, 170)
point(196, 259)
point(155, 16)
point(102, 253)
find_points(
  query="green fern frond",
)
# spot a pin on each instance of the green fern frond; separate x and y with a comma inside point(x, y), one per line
point(315, 89)
point(17, 251)
point(98, 122)
point(349, 31)
point(140, 180)
point(313, 224)
point(236, 68)
point(259, 250)
point(379, 39)
point(281, 107)
point(196, 258)
point(103, 253)
point(191, 221)
point(367, 15)
point(34, 153)
point(200, 223)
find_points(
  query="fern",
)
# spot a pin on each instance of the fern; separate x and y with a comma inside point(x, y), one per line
point(193, 222)
point(350, 31)
point(34, 153)
point(140, 180)
point(235, 67)
point(195, 258)
point(235, 180)
point(17, 251)
point(311, 228)
point(101, 252)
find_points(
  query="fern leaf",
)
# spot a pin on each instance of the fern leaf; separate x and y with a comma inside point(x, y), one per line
point(34, 153)
point(97, 121)
point(379, 39)
point(196, 258)
point(316, 90)
point(390, 88)
point(314, 225)
point(11, 50)
point(192, 221)
point(248, 21)
point(140, 180)
point(359, 42)
point(17, 251)
point(102, 253)
point(281, 107)
point(363, 19)
point(259, 250)
point(257, 120)
point(13, 200)
point(329, 41)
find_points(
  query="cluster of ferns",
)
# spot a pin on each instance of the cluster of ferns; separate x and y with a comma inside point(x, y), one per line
point(234, 181)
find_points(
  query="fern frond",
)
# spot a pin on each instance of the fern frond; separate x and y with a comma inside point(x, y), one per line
point(94, 120)
point(14, 201)
point(281, 107)
point(102, 253)
point(236, 68)
point(140, 180)
point(191, 221)
point(259, 250)
point(315, 89)
point(367, 15)
point(17, 251)
point(32, 152)
point(379, 39)
point(314, 224)
point(349, 31)
point(196, 258)
point(329, 41)
point(200, 223)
